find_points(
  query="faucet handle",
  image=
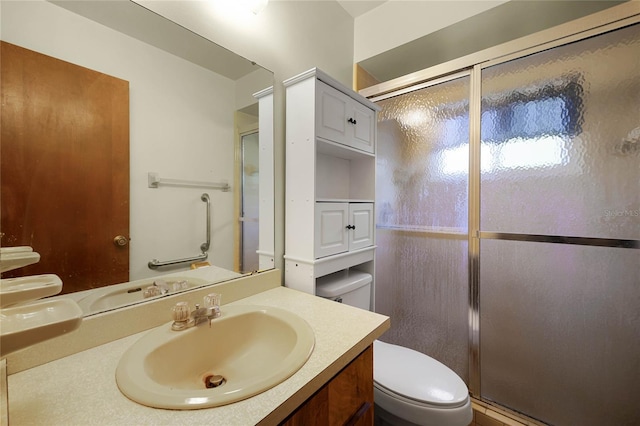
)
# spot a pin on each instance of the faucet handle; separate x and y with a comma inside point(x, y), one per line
point(212, 300)
point(151, 291)
point(181, 311)
point(212, 303)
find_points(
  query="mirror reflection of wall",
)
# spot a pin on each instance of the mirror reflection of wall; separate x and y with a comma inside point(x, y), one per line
point(182, 124)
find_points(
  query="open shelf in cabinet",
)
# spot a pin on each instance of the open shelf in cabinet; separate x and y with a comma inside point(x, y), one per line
point(343, 178)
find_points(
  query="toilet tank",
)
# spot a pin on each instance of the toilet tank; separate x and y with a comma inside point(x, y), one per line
point(350, 287)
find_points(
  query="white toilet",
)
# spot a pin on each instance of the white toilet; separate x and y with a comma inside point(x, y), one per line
point(410, 388)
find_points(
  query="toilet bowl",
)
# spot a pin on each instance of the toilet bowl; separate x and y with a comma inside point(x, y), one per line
point(410, 388)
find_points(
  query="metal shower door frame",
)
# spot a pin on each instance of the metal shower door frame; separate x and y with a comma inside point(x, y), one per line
point(599, 23)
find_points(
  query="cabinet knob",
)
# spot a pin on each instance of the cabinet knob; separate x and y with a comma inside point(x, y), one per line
point(351, 227)
point(351, 120)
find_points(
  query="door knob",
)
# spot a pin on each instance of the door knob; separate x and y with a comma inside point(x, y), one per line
point(351, 227)
point(120, 241)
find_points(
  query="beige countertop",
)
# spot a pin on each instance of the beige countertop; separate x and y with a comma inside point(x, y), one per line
point(81, 389)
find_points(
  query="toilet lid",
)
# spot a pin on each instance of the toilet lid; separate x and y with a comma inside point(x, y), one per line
point(416, 376)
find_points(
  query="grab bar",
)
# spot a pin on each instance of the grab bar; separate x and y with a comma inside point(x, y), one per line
point(205, 246)
point(155, 181)
point(155, 263)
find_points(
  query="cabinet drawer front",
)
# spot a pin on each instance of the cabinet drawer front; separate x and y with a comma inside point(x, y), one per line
point(333, 108)
point(361, 216)
point(330, 230)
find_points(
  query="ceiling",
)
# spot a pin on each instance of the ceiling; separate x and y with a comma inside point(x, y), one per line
point(356, 8)
point(503, 23)
point(136, 21)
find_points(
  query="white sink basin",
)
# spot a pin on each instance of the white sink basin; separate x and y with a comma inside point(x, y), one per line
point(22, 289)
point(27, 324)
point(132, 292)
point(254, 348)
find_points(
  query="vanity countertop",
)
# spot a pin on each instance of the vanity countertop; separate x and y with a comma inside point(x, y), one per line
point(81, 388)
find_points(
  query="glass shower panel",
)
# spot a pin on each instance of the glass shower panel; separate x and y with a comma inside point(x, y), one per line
point(421, 283)
point(422, 215)
point(561, 139)
point(423, 158)
point(250, 202)
point(560, 329)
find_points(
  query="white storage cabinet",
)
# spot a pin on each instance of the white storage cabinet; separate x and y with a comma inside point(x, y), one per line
point(330, 180)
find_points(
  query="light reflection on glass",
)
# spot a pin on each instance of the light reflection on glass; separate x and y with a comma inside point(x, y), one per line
point(516, 153)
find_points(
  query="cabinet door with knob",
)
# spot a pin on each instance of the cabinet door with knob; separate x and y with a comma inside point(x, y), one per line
point(361, 225)
point(342, 227)
point(341, 119)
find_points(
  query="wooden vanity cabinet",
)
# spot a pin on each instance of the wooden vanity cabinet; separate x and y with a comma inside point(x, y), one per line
point(345, 400)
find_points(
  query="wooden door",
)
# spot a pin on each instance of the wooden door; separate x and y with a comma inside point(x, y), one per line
point(65, 168)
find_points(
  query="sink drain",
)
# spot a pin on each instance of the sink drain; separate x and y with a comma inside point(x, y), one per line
point(214, 380)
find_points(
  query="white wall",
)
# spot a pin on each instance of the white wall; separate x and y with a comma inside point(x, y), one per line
point(287, 37)
point(181, 127)
point(398, 22)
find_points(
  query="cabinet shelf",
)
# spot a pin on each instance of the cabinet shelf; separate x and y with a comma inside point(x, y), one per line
point(338, 150)
point(340, 178)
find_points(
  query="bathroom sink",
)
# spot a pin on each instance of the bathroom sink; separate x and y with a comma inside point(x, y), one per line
point(22, 289)
point(27, 324)
point(253, 348)
point(132, 292)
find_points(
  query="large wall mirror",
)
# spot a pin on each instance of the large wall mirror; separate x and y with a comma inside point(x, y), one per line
point(136, 157)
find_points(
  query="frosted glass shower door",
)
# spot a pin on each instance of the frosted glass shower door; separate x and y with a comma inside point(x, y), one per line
point(422, 220)
point(250, 203)
point(560, 224)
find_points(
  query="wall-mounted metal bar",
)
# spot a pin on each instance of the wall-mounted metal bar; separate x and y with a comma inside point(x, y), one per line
point(155, 263)
point(560, 239)
point(155, 181)
point(205, 246)
point(426, 232)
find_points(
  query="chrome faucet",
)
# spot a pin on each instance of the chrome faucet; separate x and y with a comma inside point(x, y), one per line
point(184, 318)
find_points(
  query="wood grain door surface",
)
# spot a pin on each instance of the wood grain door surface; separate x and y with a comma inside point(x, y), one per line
point(64, 164)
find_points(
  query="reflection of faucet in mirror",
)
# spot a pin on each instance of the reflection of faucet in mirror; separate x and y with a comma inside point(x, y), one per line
point(179, 122)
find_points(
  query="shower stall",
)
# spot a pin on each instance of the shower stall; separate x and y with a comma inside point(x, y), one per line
point(508, 215)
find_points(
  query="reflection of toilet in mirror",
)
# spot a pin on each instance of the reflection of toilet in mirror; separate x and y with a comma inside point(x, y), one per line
point(410, 388)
